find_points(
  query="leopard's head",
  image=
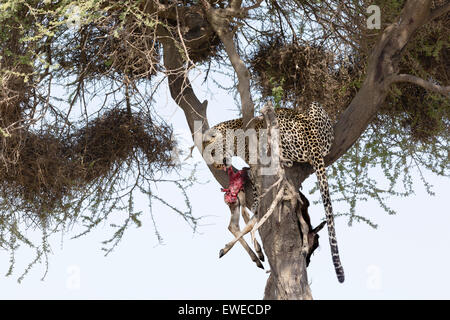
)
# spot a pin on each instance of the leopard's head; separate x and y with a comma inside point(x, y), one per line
point(214, 150)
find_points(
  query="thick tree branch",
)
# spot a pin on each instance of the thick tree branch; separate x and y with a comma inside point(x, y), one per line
point(420, 82)
point(235, 4)
point(253, 6)
point(181, 88)
point(220, 20)
point(383, 64)
point(181, 91)
point(235, 8)
point(439, 11)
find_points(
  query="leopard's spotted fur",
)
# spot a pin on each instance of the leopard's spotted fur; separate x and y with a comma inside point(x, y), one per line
point(304, 138)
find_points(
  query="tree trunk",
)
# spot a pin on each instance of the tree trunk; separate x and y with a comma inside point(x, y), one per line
point(282, 240)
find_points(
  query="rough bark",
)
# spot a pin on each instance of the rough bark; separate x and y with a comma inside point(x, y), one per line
point(283, 244)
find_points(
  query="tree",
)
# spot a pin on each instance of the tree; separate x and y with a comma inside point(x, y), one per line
point(386, 86)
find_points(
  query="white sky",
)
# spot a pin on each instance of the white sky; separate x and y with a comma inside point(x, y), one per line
point(407, 257)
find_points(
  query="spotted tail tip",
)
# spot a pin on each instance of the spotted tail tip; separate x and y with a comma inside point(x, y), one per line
point(340, 276)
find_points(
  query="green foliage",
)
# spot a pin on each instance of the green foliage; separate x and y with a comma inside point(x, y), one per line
point(381, 165)
point(277, 93)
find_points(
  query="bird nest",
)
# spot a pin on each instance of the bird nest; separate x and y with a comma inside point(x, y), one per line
point(304, 74)
point(101, 51)
point(43, 171)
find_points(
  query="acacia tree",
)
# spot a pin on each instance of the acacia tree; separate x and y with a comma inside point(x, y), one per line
point(385, 87)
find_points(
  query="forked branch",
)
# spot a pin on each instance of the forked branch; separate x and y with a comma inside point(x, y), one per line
point(420, 82)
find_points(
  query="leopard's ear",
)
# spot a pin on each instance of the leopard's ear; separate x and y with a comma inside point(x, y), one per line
point(210, 135)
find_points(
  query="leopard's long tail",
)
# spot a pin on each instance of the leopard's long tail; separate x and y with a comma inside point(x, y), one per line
point(319, 167)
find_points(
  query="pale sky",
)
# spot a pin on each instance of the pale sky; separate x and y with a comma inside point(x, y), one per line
point(407, 257)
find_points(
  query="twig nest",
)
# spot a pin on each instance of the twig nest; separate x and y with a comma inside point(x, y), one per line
point(299, 74)
point(44, 170)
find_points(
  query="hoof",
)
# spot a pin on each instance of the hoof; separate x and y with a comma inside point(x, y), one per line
point(261, 257)
point(221, 253)
point(287, 163)
point(259, 264)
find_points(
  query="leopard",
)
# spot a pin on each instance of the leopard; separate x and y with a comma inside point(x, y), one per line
point(304, 137)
